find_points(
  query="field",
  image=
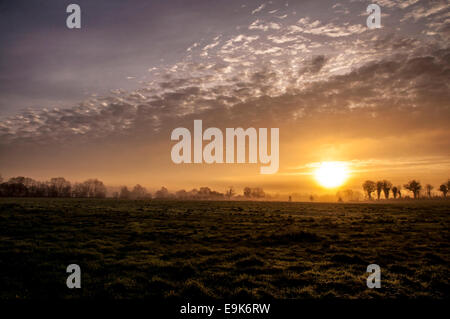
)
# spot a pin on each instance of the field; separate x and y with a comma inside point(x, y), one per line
point(166, 249)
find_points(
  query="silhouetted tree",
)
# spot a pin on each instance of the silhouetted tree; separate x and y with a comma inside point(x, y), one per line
point(182, 194)
point(124, 193)
point(258, 192)
point(387, 185)
point(162, 193)
point(413, 186)
point(139, 192)
point(247, 192)
point(80, 190)
point(96, 188)
point(380, 185)
point(230, 192)
point(369, 187)
point(444, 189)
point(429, 188)
point(395, 191)
point(59, 187)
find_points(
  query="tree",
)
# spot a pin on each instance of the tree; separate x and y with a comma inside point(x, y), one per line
point(444, 189)
point(247, 192)
point(395, 191)
point(181, 194)
point(96, 188)
point(139, 192)
point(162, 193)
point(380, 185)
point(230, 192)
point(258, 192)
point(1, 179)
point(124, 193)
point(429, 188)
point(387, 185)
point(80, 190)
point(369, 187)
point(414, 187)
point(59, 187)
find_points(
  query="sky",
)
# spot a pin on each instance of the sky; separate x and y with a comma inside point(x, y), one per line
point(102, 101)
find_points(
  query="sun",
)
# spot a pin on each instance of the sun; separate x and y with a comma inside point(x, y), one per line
point(331, 174)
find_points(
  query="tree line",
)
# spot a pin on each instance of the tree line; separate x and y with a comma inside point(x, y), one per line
point(385, 187)
point(56, 187)
point(93, 188)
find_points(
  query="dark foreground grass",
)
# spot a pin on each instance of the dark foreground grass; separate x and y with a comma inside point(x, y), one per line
point(145, 249)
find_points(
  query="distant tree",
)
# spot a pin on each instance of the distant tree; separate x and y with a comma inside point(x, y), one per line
point(139, 192)
point(311, 198)
point(230, 192)
point(247, 192)
point(258, 192)
point(96, 188)
point(444, 189)
point(414, 187)
point(124, 193)
point(395, 191)
point(182, 194)
point(1, 179)
point(380, 185)
point(80, 190)
point(369, 187)
point(429, 188)
point(59, 187)
point(448, 184)
point(162, 193)
point(387, 185)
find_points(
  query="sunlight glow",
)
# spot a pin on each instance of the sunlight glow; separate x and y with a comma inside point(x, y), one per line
point(331, 174)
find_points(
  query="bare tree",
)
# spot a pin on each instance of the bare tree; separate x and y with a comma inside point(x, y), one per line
point(60, 187)
point(444, 189)
point(429, 188)
point(369, 187)
point(413, 186)
point(387, 185)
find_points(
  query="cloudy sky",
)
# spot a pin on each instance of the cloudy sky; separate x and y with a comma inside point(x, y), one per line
point(102, 101)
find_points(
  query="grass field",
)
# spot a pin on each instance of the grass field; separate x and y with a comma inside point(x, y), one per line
point(144, 249)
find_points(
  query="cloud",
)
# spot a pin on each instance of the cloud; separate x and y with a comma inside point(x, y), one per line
point(259, 8)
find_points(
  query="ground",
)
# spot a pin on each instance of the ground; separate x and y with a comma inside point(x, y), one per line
point(165, 249)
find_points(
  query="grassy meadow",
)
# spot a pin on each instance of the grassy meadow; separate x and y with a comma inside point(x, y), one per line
point(167, 249)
